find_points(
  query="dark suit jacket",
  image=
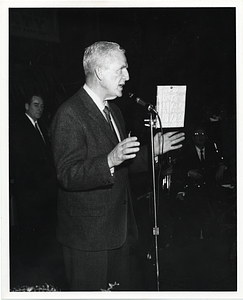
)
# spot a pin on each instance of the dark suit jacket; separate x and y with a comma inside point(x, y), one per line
point(189, 160)
point(32, 168)
point(93, 205)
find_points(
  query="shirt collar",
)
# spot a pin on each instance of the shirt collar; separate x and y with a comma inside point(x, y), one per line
point(31, 120)
point(101, 104)
point(199, 150)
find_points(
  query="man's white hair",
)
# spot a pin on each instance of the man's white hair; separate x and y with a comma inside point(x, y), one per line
point(96, 54)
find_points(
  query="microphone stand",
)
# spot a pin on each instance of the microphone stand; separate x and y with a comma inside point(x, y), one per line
point(155, 228)
point(168, 177)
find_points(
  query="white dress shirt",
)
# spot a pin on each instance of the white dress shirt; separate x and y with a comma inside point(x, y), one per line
point(199, 152)
point(101, 105)
point(35, 123)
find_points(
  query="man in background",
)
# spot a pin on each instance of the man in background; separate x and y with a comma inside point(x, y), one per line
point(201, 171)
point(34, 181)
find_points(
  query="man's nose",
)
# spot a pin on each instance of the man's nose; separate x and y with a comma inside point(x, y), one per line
point(126, 74)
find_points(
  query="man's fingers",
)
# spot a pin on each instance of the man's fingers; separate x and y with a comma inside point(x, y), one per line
point(174, 135)
point(124, 150)
point(178, 140)
point(178, 136)
point(130, 147)
point(129, 143)
point(175, 147)
point(129, 150)
point(128, 140)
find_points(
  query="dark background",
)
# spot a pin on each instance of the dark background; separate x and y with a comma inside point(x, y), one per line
point(195, 47)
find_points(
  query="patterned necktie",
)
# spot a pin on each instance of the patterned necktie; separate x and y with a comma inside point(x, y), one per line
point(39, 131)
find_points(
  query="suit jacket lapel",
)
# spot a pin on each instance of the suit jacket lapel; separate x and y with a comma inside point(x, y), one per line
point(118, 123)
point(34, 131)
point(96, 115)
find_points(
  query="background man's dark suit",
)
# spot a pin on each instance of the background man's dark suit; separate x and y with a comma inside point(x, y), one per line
point(189, 160)
point(93, 205)
point(195, 210)
point(35, 185)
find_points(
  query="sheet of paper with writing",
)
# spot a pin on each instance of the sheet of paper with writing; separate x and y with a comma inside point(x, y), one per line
point(171, 103)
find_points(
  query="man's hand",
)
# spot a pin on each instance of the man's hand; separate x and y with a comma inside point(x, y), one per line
point(167, 142)
point(124, 150)
point(180, 195)
point(194, 174)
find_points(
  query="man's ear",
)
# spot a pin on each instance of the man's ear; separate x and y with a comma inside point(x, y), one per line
point(99, 73)
point(26, 106)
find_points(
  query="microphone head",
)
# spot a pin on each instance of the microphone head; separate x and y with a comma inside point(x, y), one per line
point(148, 106)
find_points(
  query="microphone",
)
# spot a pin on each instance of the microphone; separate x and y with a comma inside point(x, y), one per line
point(148, 106)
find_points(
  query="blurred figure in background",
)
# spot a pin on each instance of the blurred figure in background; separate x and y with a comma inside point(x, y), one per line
point(33, 180)
point(199, 176)
point(201, 162)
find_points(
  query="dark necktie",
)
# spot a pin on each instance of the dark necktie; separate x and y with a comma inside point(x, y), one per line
point(202, 157)
point(40, 133)
point(108, 118)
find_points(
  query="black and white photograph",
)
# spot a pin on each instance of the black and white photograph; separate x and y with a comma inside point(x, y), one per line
point(121, 135)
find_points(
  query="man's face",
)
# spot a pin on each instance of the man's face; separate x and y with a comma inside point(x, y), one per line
point(35, 109)
point(114, 75)
point(199, 137)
